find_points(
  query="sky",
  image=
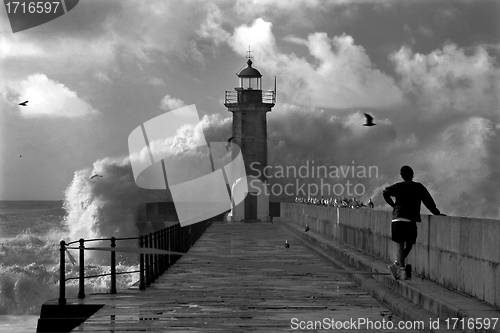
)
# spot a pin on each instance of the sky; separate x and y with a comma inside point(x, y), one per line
point(427, 71)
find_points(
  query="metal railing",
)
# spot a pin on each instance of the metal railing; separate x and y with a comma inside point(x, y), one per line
point(269, 97)
point(151, 266)
point(234, 97)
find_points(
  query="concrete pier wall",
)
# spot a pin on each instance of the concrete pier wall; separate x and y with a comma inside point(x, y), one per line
point(460, 253)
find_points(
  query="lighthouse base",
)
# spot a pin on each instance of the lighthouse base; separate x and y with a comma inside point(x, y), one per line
point(255, 204)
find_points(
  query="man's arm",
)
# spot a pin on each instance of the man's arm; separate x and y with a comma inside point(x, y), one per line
point(387, 196)
point(429, 202)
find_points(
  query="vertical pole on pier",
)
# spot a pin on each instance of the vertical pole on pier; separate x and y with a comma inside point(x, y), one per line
point(174, 244)
point(190, 240)
point(146, 269)
point(184, 238)
point(156, 267)
point(162, 247)
point(81, 290)
point(113, 267)
point(180, 240)
point(142, 284)
point(176, 240)
point(169, 242)
point(165, 246)
point(160, 256)
point(151, 259)
point(62, 277)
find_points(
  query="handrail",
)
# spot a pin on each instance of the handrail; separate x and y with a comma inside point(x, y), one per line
point(235, 97)
point(102, 239)
point(151, 266)
point(99, 275)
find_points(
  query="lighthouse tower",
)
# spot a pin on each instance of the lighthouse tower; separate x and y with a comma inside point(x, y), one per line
point(249, 105)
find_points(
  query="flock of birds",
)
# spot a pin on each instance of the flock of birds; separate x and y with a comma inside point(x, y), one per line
point(331, 202)
point(334, 202)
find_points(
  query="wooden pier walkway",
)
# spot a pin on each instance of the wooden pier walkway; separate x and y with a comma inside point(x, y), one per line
point(201, 296)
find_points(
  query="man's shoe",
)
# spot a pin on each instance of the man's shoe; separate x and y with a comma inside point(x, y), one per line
point(408, 272)
point(393, 268)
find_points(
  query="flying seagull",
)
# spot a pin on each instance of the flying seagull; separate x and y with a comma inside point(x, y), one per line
point(286, 244)
point(229, 142)
point(96, 175)
point(369, 120)
point(23, 103)
point(307, 228)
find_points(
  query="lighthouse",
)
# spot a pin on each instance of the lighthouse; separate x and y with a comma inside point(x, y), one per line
point(249, 105)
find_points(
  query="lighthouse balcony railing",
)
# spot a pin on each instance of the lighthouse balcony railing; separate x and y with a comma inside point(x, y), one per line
point(235, 97)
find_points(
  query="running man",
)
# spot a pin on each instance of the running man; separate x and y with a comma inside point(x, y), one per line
point(406, 213)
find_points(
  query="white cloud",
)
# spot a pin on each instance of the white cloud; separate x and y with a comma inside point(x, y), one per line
point(170, 103)
point(449, 79)
point(462, 165)
point(46, 98)
point(342, 75)
point(211, 27)
point(155, 81)
point(73, 53)
point(102, 77)
point(426, 31)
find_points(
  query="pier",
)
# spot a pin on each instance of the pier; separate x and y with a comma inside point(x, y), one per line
point(199, 295)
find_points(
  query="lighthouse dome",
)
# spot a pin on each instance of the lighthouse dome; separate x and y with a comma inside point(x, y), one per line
point(249, 71)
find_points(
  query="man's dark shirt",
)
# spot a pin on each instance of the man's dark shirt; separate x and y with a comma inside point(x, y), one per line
point(409, 195)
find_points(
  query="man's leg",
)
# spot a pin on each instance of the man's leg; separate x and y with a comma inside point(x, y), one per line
point(395, 267)
point(411, 239)
point(406, 252)
point(401, 253)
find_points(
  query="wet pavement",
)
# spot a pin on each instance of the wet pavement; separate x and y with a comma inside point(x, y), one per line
point(197, 295)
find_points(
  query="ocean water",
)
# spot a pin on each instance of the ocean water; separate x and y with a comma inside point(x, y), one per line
point(30, 232)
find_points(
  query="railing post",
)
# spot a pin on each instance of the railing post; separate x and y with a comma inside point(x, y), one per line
point(162, 256)
point(155, 245)
point(165, 258)
point(146, 269)
point(81, 290)
point(113, 267)
point(151, 259)
point(62, 277)
point(176, 242)
point(169, 245)
point(142, 284)
point(183, 239)
point(172, 243)
point(180, 240)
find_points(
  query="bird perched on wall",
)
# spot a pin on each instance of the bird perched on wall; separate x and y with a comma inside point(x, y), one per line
point(286, 244)
point(369, 120)
point(96, 175)
point(307, 228)
point(370, 203)
point(229, 143)
point(23, 103)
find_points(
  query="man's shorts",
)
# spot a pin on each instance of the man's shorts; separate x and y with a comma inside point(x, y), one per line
point(404, 232)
